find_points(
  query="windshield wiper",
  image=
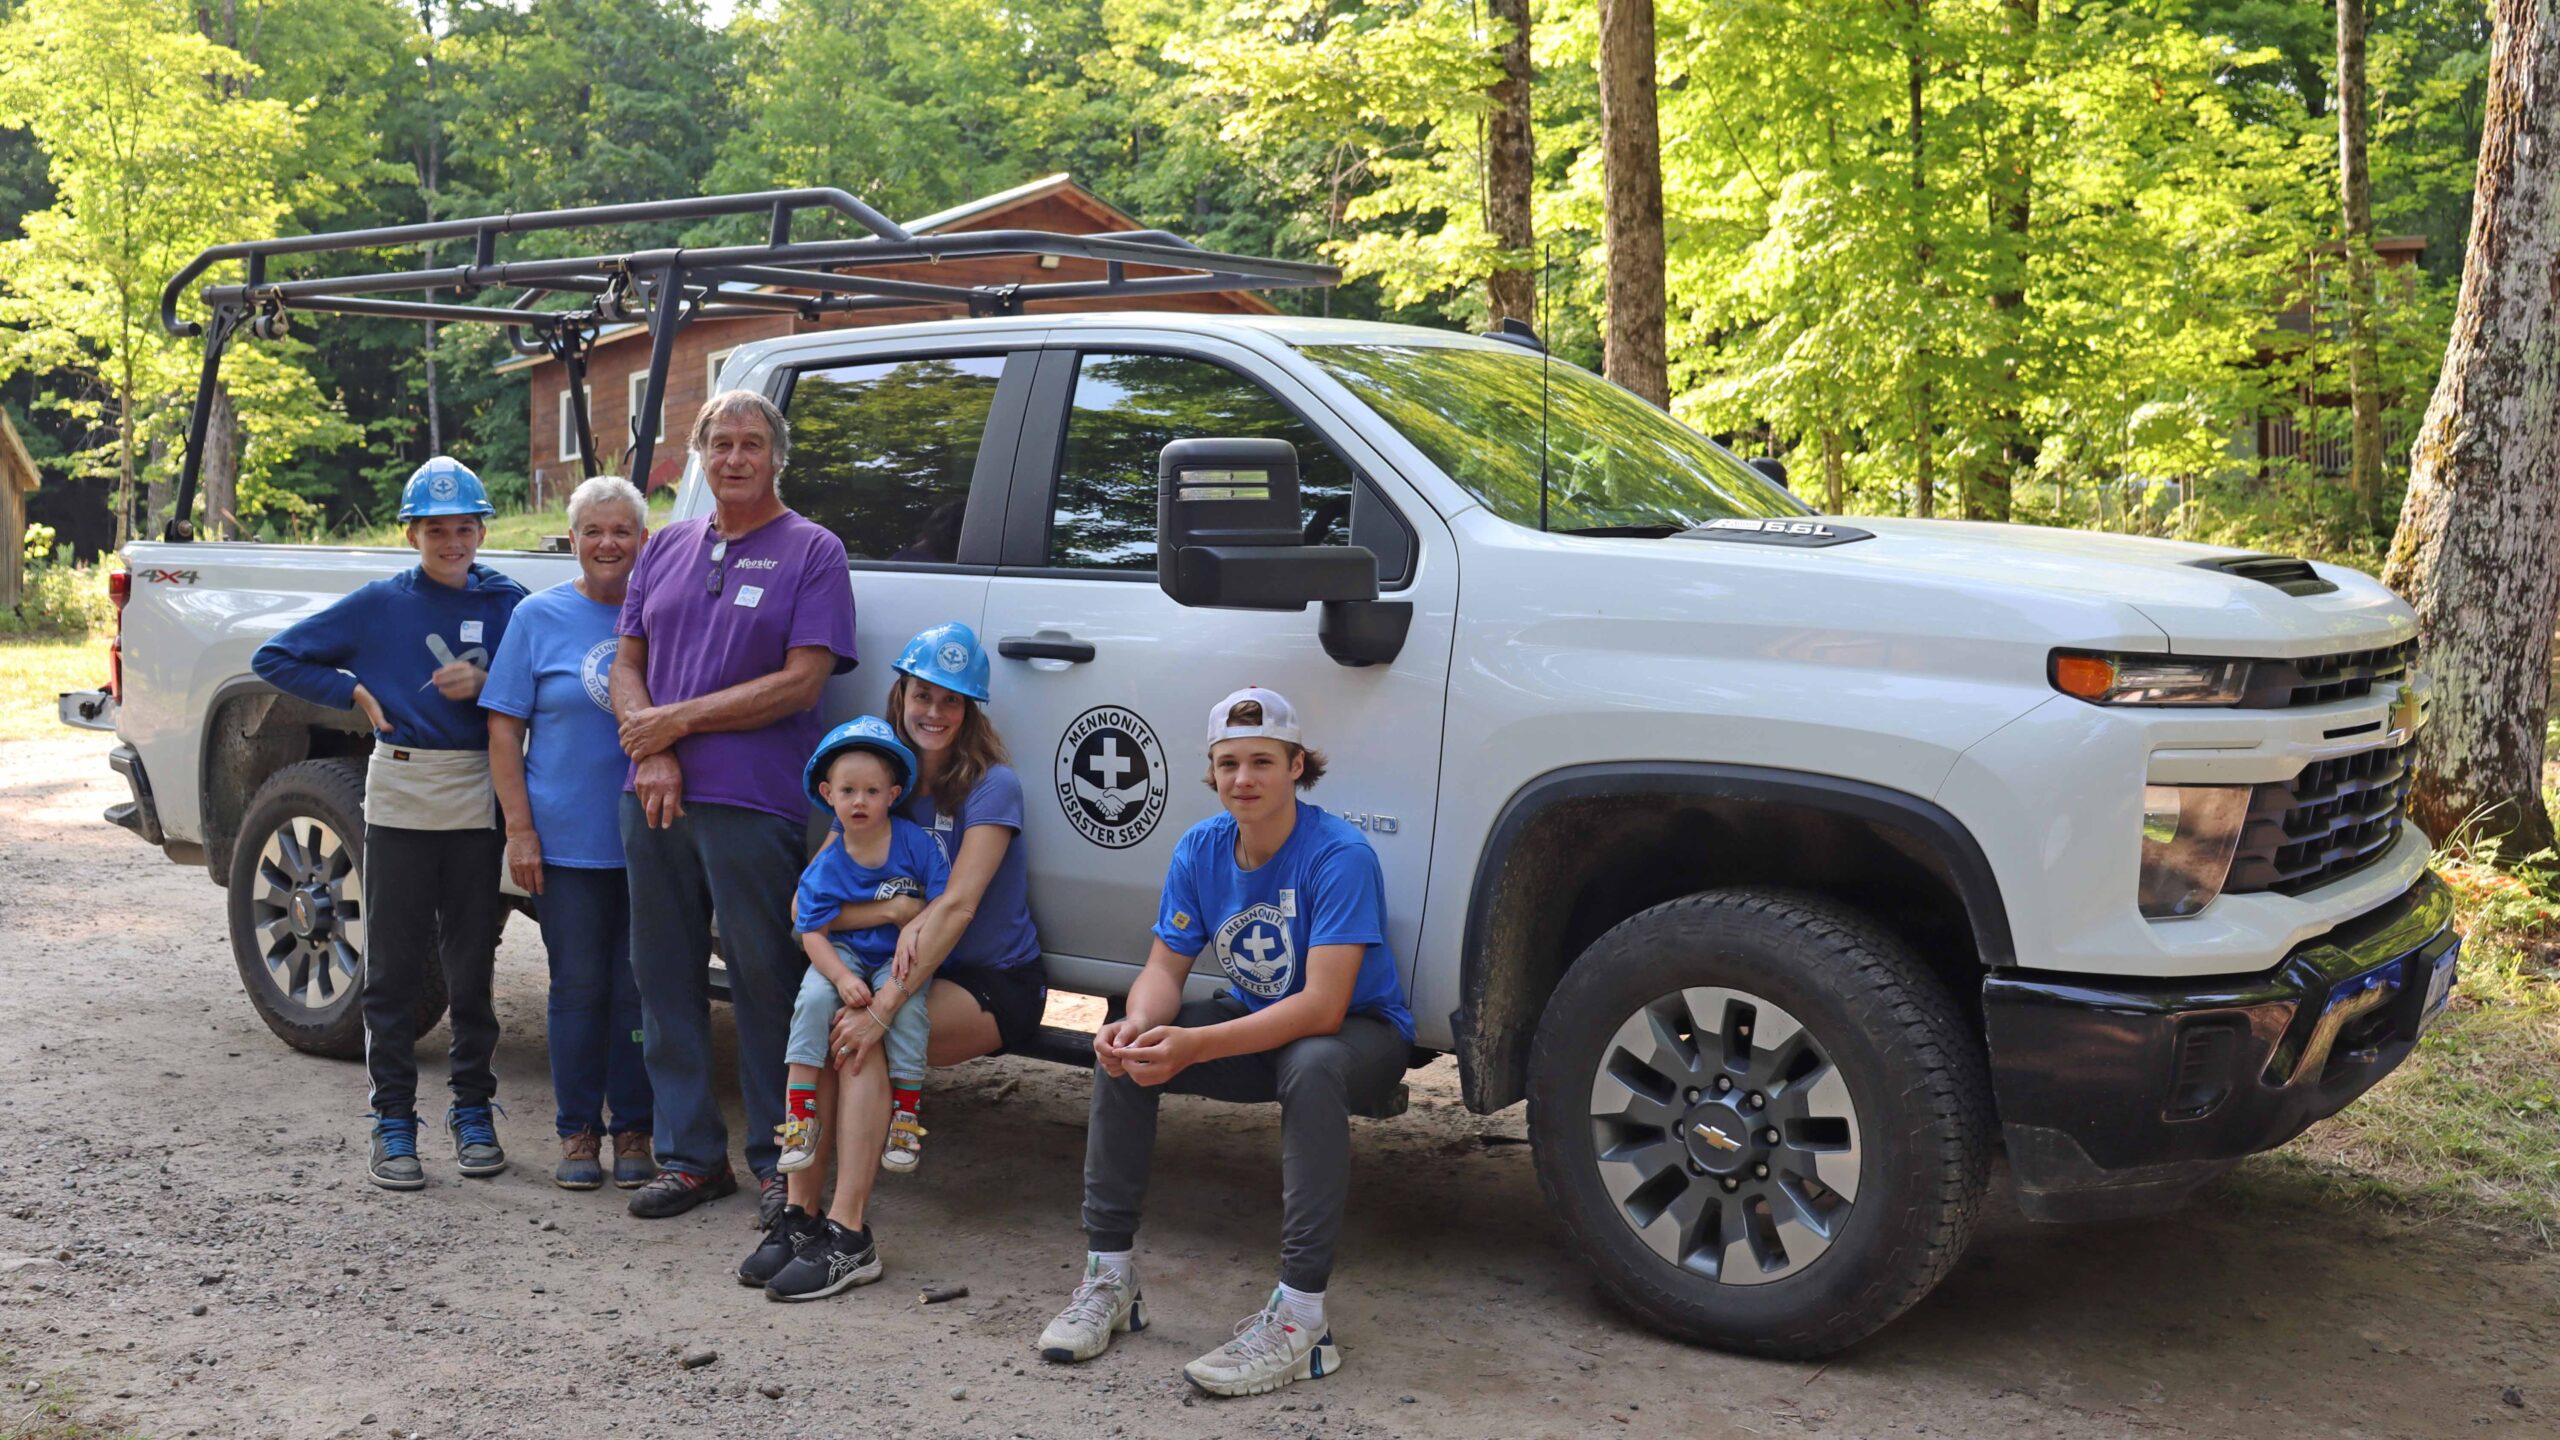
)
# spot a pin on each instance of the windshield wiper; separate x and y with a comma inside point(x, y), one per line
point(1641, 532)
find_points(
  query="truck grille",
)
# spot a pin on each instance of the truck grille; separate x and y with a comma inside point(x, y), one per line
point(2333, 819)
point(2350, 675)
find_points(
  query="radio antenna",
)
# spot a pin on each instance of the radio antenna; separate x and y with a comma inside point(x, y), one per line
point(1546, 354)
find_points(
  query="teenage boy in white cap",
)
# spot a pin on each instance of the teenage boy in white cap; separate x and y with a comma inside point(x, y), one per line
point(1293, 904)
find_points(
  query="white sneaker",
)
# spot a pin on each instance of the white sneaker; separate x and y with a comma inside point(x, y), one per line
point(1101, 1308)
point(799, 1141)
point(905, 1150)
point(1267, 1353)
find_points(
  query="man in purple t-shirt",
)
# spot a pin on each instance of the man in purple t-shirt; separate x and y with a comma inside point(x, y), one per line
point(730, 628)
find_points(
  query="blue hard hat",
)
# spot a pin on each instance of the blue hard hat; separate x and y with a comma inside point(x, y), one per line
point(444, 486)
point(949, 656)
point(863, 732)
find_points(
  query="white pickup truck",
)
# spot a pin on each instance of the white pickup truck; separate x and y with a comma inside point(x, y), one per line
point(1786, 865)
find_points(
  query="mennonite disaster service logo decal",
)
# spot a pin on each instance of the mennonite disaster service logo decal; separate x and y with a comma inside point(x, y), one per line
point(1111, 777)
point(1255, 949)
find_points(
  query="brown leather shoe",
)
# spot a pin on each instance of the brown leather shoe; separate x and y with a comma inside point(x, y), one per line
point(578, 1168)
point(634, 1165)
point(674, 1192)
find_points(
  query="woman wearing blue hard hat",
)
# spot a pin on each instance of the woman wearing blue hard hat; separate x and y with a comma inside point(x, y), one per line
point(973, 955)
point(411, 653)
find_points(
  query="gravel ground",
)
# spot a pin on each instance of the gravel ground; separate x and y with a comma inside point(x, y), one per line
point(186, 1239)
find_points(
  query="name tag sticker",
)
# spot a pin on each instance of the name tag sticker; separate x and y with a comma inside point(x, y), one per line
point(1289, 904)
point(942, 822)
point(749, 596)
point(470, 632)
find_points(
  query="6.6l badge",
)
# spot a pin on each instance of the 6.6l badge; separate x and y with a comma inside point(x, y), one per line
point(1111, 777)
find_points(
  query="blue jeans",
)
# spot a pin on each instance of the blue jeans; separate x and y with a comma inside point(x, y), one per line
point(816, 1008)
point(741, 865)
point(595, 1002)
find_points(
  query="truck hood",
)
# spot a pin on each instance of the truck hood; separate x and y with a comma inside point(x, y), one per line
point(2201, 609)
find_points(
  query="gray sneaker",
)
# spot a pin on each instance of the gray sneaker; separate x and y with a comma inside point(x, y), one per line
point(394, 1165)
point(1267, 1353)
point(475, 1140)
point(1100, 1309)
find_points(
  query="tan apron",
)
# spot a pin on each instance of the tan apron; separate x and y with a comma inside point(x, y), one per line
point(411, 789)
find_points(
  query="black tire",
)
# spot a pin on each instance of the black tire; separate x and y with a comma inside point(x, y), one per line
point(304, 830)
point(1876, 1026)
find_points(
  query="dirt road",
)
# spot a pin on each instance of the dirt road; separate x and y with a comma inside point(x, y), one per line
point(190, 1243)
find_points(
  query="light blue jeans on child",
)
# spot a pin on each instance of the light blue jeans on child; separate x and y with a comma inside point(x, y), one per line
point(815, 1011)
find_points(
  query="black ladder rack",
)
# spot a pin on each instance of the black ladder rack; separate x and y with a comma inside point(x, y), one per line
point(668, 288)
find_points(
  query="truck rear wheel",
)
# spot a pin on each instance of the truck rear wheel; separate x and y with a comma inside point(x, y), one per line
point(297, 909)
point(1762, 1121)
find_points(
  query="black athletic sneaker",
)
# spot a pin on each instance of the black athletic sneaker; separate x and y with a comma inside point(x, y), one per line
point(828, 1261)
point(674, 1192)
point(780, 1239)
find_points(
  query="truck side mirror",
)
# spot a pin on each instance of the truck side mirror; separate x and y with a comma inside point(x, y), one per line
point(1229, 535)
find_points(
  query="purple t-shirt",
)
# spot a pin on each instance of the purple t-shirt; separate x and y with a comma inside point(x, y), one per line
point(1000, 936)
point(783, 585)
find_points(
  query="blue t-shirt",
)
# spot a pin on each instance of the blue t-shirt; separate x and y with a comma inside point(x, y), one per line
point(915, 866)
point(1323, 888)
point(393, 635)
point(1000, 936)
point(554, 671)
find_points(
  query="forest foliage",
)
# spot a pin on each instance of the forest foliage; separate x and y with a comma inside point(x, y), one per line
point(2043, 259)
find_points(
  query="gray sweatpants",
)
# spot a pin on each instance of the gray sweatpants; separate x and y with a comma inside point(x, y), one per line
point(1315, 1080)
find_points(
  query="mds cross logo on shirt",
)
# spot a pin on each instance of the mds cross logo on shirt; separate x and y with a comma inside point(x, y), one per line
point(1255, 950)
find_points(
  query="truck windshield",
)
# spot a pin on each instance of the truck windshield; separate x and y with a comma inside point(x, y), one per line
point(1616, 465)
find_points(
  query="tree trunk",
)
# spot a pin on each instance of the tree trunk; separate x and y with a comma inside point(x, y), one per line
point(220, 470)
point(1634, 350)
point(1923, 406)
point(156, 489)
point(124, 454)
point(2355, 208)
point(1511, 290)
point(434, 167)
point(2478, 550)
point(1992, 494)
point(1835, 488)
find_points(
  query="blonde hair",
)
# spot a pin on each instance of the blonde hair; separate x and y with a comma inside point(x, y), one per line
point(976, 750)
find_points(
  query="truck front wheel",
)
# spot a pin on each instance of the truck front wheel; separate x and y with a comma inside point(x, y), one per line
point(1762, 1121)
point(297, 909)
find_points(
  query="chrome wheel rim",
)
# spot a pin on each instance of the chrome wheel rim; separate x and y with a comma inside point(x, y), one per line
point(1725, 1136)
point(308, 914)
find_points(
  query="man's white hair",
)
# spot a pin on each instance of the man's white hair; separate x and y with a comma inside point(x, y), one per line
point(606, 490)
point(744, 402)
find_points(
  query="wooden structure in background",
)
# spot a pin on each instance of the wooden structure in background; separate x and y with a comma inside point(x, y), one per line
point(17, 477)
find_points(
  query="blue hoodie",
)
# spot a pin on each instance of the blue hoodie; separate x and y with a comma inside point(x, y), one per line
point(392, 635)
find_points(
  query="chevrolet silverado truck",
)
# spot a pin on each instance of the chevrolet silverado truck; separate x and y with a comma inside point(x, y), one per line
point(1787, 866)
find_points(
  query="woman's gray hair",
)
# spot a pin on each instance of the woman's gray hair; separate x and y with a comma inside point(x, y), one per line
point(606, 490)
point(730, 403)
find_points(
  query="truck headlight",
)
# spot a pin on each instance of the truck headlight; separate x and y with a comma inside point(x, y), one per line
point(2189, 833)
point(2148, 679)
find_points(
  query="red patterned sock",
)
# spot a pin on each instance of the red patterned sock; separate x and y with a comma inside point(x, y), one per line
point(906, 1100)
point(802, 1100)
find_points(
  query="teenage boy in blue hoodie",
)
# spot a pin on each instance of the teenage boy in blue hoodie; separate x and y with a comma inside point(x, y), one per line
point(411, 653)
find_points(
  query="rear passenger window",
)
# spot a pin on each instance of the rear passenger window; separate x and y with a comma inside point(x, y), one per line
point(1128, 407)
point(882, 453)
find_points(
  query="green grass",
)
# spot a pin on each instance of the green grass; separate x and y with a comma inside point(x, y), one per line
point(50, 1412)
point(517, 530)
point(2470, 1123)
point(32, 672)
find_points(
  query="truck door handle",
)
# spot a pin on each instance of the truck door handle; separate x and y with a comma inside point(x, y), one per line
point(1044, 647)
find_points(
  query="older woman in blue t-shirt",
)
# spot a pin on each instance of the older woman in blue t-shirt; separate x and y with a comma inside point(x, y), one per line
point(557, 765)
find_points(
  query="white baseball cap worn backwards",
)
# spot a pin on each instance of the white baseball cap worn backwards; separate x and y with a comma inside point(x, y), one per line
point(1279, 721)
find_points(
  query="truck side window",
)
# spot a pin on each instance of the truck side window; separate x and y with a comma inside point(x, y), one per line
point(1128, 407)
point(882, 453)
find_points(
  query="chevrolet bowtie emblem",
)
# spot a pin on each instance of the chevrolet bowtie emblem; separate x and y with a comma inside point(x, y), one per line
point(2407, 711)
point(1718, 1138)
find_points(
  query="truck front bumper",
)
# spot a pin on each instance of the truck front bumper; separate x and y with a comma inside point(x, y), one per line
point(2119, 1097)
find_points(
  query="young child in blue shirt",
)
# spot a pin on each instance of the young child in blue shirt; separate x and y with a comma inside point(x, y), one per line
point(879, 860)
